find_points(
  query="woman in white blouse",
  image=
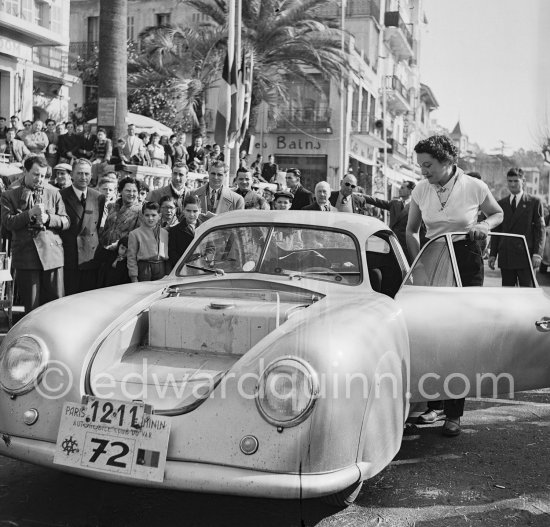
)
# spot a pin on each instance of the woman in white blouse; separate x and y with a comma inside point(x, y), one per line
point(448, 200)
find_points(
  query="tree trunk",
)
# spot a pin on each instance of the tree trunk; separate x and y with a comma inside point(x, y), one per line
point(113, 60)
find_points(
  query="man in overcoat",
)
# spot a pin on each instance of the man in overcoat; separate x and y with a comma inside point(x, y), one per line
point(35, 214)
point(85, 207)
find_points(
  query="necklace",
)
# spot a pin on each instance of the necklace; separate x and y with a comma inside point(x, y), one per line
point(442, 191)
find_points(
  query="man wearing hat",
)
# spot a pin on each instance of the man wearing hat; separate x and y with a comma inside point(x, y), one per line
point(302, 196)
point(62, 175)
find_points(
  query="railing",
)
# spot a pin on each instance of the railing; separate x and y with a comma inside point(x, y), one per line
point(394, 83)
point(394, 19)
point(50, 57)
point(398, 148)
point(310, 118)
point(83, 50)
point(354, 8)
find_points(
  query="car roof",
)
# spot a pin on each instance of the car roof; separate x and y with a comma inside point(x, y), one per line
point(361, 226)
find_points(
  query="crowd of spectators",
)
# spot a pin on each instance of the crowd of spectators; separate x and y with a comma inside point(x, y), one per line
point(75, 220)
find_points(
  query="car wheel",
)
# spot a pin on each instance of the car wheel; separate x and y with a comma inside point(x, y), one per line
point(543, 268)
point(345, 497)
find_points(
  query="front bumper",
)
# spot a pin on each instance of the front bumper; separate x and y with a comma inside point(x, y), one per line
point(201, 477)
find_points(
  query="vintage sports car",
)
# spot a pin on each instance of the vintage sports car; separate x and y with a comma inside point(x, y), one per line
point(278, 359)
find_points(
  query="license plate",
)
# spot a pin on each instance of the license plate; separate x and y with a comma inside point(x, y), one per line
point(113, 413)
point(87, 442)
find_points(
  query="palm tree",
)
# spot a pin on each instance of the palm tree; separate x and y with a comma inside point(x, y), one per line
point(289, 40)
point(112, 70)
point(183, 61)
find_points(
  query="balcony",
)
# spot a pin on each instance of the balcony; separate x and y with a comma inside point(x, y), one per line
point(53, 58)
point(397, 96)
point(309, 119)
point(354, 8)
point(83, 50)
point(398, 36)
point(397, 151)
point(30, 23)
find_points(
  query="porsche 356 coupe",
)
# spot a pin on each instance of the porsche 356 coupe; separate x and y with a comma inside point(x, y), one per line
point(278, 359)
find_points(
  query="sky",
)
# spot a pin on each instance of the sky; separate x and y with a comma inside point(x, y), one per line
point(484, 61)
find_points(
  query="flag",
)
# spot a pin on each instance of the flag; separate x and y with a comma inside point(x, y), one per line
point(246, 90)
point(224, 97)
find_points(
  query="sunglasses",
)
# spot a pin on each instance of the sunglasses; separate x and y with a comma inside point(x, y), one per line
point(350, 185)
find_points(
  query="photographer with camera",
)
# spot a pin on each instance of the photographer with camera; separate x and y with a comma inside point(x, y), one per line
point(35, 214)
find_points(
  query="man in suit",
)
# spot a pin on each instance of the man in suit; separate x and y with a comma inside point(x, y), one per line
point(86, 142)
point(523, 214)
point(85, 208)
point(302, 196)
point(14, 148)
point(214, 197)
point(399, 212)
point(270, 169)
point(322, 194)
point(345, 200)
point(252, 200)
point(35, 214)
point(134, 149)
point(176, 188)
point(196, 153)
point(67, 143)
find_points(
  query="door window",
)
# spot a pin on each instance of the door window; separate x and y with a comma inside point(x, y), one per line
point(437, 265)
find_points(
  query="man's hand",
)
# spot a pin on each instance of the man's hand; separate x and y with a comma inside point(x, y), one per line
point(209, 214)
point(479, 231)
point(491, 262)
point(36, 211)
point(536, 260)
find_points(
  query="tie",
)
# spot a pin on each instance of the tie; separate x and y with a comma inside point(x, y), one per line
point(83, 200)
point(212, 205)
point(514, 203)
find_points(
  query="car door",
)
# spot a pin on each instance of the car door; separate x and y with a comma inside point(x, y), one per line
point(472, 341)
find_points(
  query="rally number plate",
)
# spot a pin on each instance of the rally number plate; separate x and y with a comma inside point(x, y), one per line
point(87, 441)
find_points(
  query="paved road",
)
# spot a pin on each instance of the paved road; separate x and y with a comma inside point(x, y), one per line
point(495, 473)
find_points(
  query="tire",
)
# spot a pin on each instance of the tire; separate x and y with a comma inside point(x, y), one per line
point(345, 497)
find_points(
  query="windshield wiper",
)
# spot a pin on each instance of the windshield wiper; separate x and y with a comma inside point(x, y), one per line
point(217, 272)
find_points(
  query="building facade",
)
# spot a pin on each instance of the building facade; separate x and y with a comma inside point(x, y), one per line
point(366, 124)
point(34, 75)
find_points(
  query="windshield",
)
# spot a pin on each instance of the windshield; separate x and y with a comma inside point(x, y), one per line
point(280, 250)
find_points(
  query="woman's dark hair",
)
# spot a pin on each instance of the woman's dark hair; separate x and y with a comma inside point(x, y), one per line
point(150, 205)
point(440, 147)
point(128, 180)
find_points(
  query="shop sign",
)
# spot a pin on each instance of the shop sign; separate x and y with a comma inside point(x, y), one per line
point(15, 49)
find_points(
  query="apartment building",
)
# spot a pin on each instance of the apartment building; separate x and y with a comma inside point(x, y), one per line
point(34, 75)
point(368, 124)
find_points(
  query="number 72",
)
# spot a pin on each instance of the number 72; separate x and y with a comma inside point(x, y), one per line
point(101, 448)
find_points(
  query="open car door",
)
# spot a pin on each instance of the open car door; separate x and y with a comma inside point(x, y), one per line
point(472, 341)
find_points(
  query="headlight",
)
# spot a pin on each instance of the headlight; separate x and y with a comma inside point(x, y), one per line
point(22, 363)
point(287, 391)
